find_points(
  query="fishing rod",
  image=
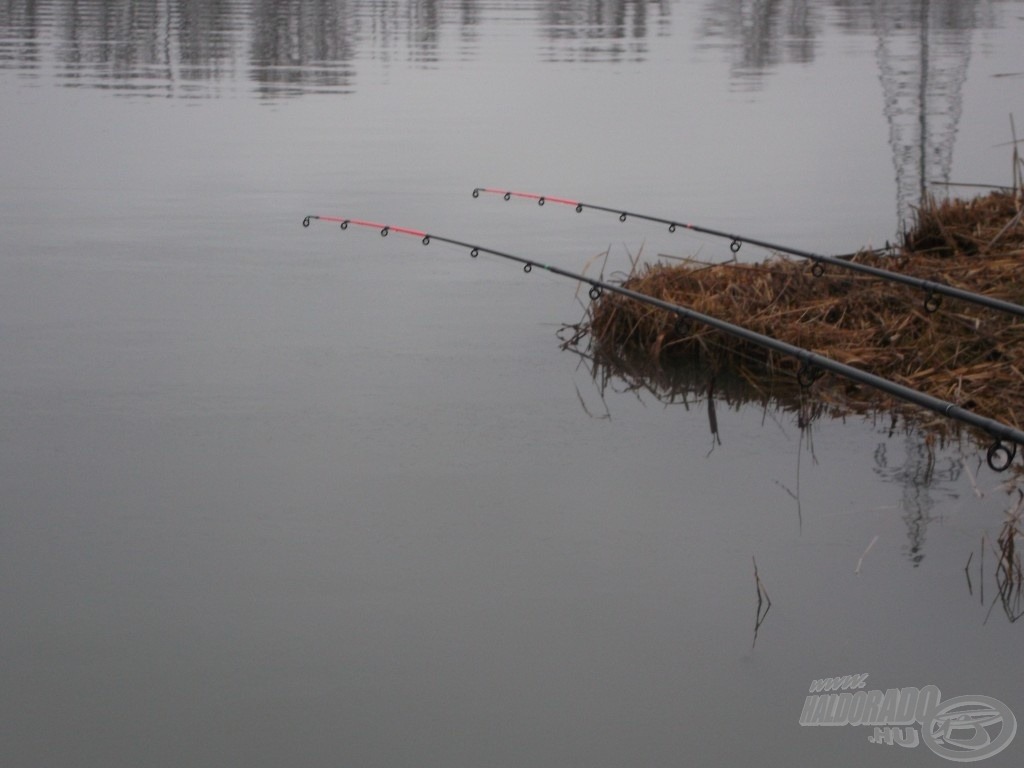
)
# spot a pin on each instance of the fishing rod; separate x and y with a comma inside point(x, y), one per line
point(934, 291)
point(1005, 439)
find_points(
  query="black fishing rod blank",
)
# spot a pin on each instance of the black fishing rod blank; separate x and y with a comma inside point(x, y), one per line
point(1005, 439)
point(933, 291)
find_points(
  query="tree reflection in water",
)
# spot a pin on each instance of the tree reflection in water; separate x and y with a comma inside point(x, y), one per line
point(927, 472)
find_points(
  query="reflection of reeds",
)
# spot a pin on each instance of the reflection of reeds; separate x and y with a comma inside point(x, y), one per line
point(1009, 576)
point(962, 353)
point(763, 601)
point(687, 384)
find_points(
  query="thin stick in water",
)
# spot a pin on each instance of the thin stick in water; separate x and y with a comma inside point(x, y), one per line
point(860, 562)
point(762, 598)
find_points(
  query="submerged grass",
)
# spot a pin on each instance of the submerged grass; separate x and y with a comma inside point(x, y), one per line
point(1009, 573)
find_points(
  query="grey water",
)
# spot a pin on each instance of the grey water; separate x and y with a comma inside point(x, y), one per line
point(283, 496)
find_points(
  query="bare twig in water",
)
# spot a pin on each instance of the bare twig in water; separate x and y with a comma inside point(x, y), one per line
point(860, 562)
point(974, 483)
point(716, 438)
point(981, 571)
point(1009, 573)
point(606, 415)
point(967, 573)
point(789, 492)
point(762, 600)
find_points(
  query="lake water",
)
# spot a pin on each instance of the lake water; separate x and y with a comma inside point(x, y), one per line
point(283, 496)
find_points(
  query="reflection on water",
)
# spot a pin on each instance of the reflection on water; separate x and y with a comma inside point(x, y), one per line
point(1007, 572)
point(278, 49)
point(927, 473)
point(759, 36)
point(923, 48)
point(179, 48)
point(920, 477)
point(139, 47)
point(312, 43)
point(601, 31)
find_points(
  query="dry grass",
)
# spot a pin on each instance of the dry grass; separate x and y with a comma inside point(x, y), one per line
point(961, 353)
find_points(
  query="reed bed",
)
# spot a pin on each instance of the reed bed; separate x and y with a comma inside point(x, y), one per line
point(962, 353)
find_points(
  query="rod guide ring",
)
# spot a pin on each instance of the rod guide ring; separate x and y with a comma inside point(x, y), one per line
point(1000, 455)
point(807, 374)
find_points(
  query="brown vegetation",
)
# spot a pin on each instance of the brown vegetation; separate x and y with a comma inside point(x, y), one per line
point(962, 353)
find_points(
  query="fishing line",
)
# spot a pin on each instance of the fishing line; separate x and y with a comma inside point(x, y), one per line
point(933, 291)
point(1005, 439)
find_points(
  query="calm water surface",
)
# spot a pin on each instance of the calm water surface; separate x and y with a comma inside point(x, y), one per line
point(283, 496)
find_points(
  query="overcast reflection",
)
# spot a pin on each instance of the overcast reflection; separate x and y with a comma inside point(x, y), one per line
point(309, 45)
point(174, 48)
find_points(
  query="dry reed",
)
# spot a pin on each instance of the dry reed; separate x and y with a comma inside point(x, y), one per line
point(962, 353)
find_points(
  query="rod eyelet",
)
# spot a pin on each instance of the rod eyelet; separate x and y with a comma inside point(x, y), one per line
point(579, 207)
point(932, 301)
point(426, 239)
point(527, 268)
point(344, 224)
point(622, 216)
point(474, 253)
point(1000, 455)
point(818, 270)
point(595, 293)
point(734, 246)
point(671, 227)
point(540, 201)
point(305, 222)
point(807, 374)
point(508, 196)
point(476, 192)
point(384, 231)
